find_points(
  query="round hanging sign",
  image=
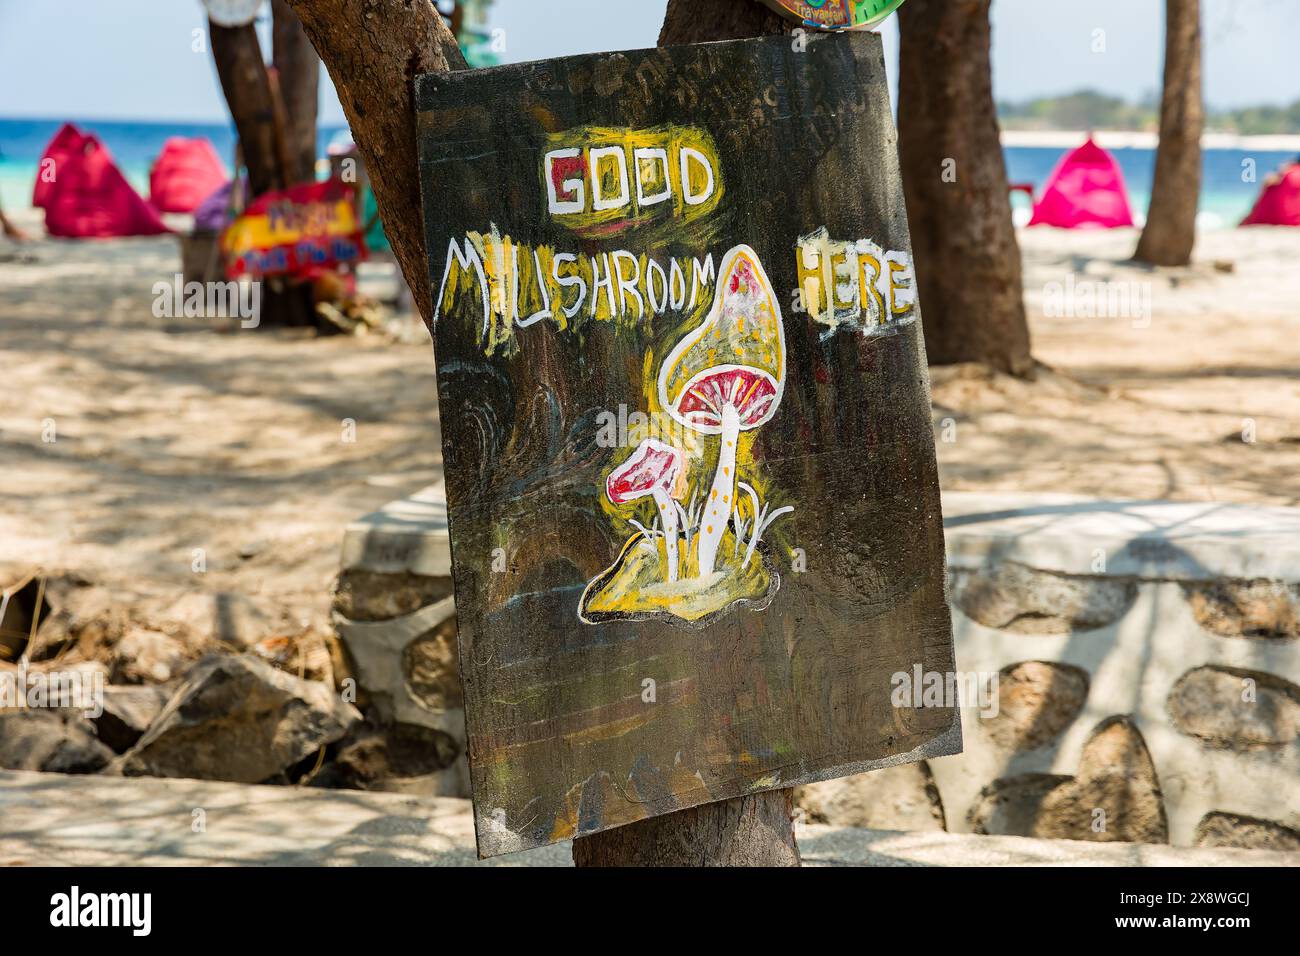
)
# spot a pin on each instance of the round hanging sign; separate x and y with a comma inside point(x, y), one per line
point(836, 14)
point(232, 13)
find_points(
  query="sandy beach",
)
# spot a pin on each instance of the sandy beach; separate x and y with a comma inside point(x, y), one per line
point(176, 439)
point(1136, 405)
point(173, 435)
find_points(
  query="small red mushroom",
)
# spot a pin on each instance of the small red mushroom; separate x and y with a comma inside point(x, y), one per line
point(653, 469)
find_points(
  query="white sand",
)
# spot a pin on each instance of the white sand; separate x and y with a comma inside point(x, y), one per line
point(173, 436)
point(1149, 405)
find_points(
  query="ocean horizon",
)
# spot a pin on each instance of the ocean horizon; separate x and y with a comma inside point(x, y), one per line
point(1227, 192)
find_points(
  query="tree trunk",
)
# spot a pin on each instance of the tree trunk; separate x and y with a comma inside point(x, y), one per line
point(247, 89)
point(747, 831)
point(755, 830)
point(374, 51)
point(1170, 230)
point(955, 184)
point(700, 21)
point(251, 98)
point(298, 67)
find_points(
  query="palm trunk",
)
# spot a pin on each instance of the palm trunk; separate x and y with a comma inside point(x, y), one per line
point(1170, 230)
point(955, 184)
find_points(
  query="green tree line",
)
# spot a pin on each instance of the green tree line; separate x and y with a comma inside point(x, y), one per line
point(1088, 109)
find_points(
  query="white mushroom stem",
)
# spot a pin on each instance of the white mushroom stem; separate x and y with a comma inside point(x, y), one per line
point(717, 506)
point(668, 521)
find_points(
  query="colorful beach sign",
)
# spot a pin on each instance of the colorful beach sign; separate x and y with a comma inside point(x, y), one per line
point(297, 231)
point(690, 472)
point(836, 14)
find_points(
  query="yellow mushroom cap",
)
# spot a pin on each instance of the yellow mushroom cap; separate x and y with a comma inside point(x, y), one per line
point(742, 329)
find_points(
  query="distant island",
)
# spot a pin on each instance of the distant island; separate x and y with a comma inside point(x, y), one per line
point(1088, 109)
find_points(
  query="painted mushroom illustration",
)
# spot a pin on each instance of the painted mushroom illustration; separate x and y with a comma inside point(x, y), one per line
point(726, 377)
point(654, 469)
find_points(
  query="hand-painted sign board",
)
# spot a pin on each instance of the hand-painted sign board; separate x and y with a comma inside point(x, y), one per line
point(836, 14)
point(297, 231)
point(690, 470)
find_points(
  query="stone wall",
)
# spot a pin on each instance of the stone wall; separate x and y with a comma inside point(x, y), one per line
point(396, 618)
point(1147, 657)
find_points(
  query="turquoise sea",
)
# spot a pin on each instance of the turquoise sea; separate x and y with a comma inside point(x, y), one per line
point(134, 146)
point(1225, 196)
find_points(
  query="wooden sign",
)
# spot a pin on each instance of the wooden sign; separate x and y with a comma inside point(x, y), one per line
point(690, 470)
point(297, 231)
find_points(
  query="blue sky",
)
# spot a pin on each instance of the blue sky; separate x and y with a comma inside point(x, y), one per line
point(133, 59)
